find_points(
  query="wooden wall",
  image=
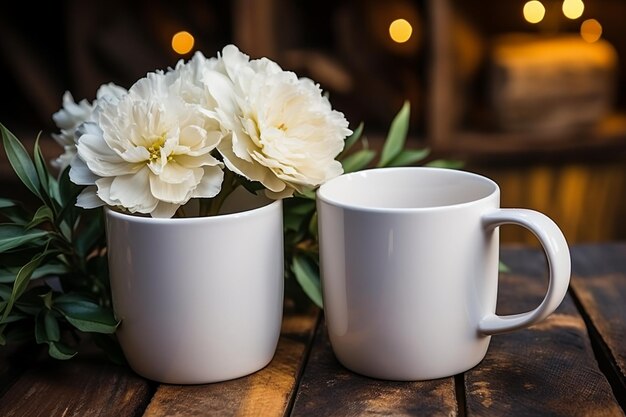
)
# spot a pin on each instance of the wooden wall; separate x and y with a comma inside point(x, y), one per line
point(587, 200)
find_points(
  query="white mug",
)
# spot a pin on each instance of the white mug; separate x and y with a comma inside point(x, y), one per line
point(409, 268)
point(200, 299)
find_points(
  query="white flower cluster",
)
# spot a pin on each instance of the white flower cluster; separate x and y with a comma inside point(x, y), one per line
point(169, 137)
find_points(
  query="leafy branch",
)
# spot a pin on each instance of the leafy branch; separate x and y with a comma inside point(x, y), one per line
point(53, 268)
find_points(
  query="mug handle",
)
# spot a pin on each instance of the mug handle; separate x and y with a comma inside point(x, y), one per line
point(559, 263)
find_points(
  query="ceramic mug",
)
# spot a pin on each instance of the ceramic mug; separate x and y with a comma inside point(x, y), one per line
point(409, 268)
point(200, 299)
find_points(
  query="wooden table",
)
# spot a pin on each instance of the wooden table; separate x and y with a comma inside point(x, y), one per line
point(573, 364)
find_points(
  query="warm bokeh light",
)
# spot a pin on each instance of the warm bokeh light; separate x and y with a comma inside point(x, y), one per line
point(400, 30)
point(591, 30)
point(182, 42)
point(573, 9)
point(534, 11)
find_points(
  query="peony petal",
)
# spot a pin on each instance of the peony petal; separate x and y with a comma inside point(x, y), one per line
point(88, 198)
point(110, 91)
point(287, 192)
point(211, 183)
point(72, 113)
point(164, 210)
point(192, 136)
point(191, 161)
point(80, 173)
point(152, 87)
point(221, 89)
point(133, 191)
point(241, 145)
point(178, 193)
point(253, 171)
point(101, 159)
point(174, 173)
point(104, 191)
point(135, 155)
point(213, 138)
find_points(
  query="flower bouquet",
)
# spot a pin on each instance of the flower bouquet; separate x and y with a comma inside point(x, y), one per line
point(178, 145)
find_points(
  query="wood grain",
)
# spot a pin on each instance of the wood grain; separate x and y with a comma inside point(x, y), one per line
point(604, 299)
point(548, 369)
point(599, 283)
point(85, 386)
point(268, 392)
point(329, 389)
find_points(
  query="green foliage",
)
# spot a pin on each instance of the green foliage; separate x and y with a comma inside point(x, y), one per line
point(53, 274)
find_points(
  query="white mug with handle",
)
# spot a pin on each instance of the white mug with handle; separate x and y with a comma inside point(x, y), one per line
point(409, 267)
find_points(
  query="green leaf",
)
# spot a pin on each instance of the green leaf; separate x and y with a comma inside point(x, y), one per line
point(15, 213)
point(308, 194)
point(58, 350)
point(5, 292)
point(5, 202)
point(52, 326)
point(8, 274)
point(86, 316)
point(409, 157)
point(68, 191)
point(299, 206)
point(352, 139)
point(292, 221)
point(43, 214)
point(40, 167)
point(47, 300)
point(442, 163)
point(46, 327)
point(20, 161)
point(13, 318)
point(308, 278)
point(296, 211)
point(21, 282)
point(91, 232)
point(313, 225)
point(32, 301)
point(54, 191)
point(397, 135)
point(502, 267)
point(358, 160)
point(13, 236)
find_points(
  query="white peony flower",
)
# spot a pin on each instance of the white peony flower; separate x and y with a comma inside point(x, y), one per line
point(186, 78)
point(149, 152)
point(279, 130)
point(72, 115)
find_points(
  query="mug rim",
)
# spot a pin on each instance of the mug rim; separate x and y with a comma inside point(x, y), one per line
point(271, 205)
point(358, 207)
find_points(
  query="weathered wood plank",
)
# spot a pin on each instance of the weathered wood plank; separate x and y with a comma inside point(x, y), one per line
point(548, 369)
point(85, 386)
point(268, 392)
point(329, 389)
point(599, 283)
point(604, 300)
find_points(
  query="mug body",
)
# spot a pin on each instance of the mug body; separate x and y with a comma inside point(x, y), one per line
point(200, 299)
point(408, 270)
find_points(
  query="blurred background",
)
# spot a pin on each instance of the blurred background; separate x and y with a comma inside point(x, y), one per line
point(530, 93)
